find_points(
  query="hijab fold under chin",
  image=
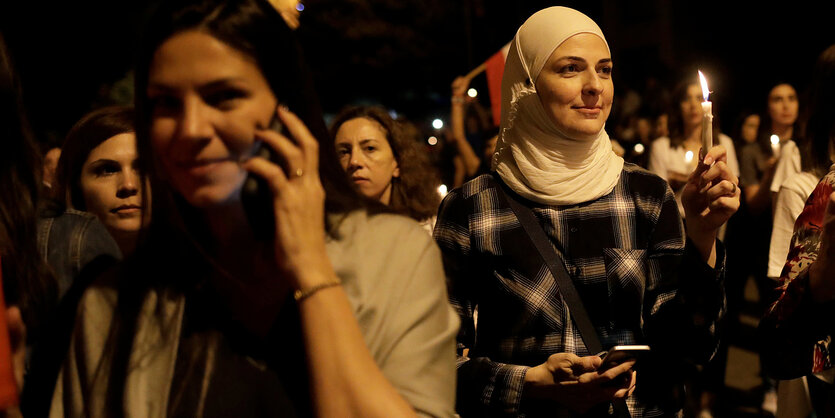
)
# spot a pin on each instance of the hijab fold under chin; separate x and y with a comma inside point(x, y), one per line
point(534, 158)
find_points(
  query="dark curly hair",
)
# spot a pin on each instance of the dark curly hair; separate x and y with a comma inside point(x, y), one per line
point(413, 193)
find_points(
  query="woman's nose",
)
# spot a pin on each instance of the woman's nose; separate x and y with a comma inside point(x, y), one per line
point(194, 123)
point(128, 185)
point(593, 86)
point(355, 161)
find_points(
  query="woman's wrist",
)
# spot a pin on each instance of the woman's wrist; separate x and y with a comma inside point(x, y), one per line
point(705, 243)
point(457, 100)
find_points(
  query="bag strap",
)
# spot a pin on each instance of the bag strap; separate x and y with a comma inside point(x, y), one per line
point(557, 267)
point(564, 284)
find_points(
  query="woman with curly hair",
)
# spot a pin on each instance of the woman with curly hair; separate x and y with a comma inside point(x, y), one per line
point(384, 164)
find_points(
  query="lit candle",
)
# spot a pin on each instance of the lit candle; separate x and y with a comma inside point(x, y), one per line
point(688, 157)
point(707, 118)
point(775, 145)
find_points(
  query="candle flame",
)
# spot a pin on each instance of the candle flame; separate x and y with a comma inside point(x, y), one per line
point(703, 81)
point(775, 139)
point(688, 156)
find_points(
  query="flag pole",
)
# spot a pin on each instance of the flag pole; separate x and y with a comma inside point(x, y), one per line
point(476, 71)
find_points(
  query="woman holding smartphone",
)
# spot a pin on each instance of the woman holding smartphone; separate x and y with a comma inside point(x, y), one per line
point(343, 312)
point(614, 227)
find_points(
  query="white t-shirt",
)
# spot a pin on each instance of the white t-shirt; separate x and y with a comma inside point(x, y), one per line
point(787, 165)
point(791, 198)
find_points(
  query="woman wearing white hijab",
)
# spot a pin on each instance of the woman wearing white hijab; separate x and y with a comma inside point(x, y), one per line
point(615, 226)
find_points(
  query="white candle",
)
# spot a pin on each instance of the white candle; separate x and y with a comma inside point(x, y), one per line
point(775, 145)
point(707, 118)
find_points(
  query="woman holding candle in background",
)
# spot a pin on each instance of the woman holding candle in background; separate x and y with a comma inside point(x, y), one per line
point(780, 121)
point(794, 178)
point(675, 156)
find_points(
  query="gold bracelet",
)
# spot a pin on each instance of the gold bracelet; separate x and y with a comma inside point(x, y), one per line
point(301, 295)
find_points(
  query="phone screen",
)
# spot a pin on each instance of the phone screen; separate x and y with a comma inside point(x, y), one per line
point(621, 353)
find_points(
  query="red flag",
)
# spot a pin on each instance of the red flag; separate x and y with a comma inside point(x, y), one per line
point(495, 70)
point(8, 385)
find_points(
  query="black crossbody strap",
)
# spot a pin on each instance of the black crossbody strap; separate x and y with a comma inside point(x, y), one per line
point(557, 267)
point(566, 287)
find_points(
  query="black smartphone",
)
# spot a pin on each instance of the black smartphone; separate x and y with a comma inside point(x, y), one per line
point(256, 196)
point(621, 353)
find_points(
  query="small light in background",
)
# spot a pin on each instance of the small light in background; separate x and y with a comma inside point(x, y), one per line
point(300, 7)
point(442, 191)
point(639, 148)
point(437, 124)
point(393, 114)
point(688, 157)
point(432, 140)
point(472, 92)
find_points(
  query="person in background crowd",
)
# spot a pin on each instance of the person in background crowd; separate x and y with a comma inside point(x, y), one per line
point(50, 164)
point(781, 119)
point(98, 173)
point(660, 126)
point(384, 164)
point(796, 332)
point(674, 156)
point(466, 161)
point(615, 227)
point(290, 286)
point(794, 177)
point(637, 151)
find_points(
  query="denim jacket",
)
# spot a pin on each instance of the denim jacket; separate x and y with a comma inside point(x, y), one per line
point(69, 239)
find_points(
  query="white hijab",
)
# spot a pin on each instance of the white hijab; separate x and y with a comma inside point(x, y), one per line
point(533, 156)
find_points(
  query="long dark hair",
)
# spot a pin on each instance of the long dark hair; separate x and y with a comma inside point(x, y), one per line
point(26, 278)
point(413, 193)
point(819, 129)
point(764, 131)
point(87, 134)
point(168, 255)
point(675, 123)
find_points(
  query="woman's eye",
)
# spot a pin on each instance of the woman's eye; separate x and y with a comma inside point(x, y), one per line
point(570, 68)
point(106, 169)
point(606, 70)
point(224, 98)
point(163, 103)
point(370, 148)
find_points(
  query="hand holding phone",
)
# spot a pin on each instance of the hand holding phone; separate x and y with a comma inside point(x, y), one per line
point(256, 196)
point(620, 354)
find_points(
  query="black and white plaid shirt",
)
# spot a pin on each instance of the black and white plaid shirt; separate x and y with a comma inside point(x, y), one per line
point(627, 256)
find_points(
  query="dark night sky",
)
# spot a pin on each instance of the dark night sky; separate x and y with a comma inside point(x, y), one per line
point(405, 53)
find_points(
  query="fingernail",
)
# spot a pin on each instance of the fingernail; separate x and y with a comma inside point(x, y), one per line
point(708, 160)
point(283, 107)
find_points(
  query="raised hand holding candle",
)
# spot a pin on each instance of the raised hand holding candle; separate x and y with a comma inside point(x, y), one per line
point(775, 146)
point(707, 118)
